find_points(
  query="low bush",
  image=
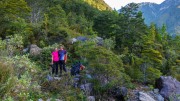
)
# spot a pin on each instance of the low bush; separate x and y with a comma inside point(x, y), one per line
point(7, 81)
point(19, 79)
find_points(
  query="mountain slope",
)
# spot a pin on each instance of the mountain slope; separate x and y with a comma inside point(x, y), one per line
point(167, 13)
point(99, 4)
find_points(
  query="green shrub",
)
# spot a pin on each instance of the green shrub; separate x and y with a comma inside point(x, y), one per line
point(19, 78)
point(2, 44)
point(11, 46)
point(175, 72)
point(9, 98)
point(63, 89)
point(152, 75)
point(134, 72)
point(7, 81)
point(105, 66)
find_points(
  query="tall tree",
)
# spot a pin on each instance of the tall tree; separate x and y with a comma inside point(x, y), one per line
point(151, 55)
point(106, 24)
point(132, 27)
point(11, 11)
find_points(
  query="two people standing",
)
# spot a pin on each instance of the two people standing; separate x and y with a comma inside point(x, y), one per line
point(59, 57)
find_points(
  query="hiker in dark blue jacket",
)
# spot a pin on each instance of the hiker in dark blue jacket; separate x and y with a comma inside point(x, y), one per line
point(76, 68)
point(62, 59)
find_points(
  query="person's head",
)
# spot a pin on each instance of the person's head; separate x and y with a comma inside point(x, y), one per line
point(61, 47)
point(55, 49)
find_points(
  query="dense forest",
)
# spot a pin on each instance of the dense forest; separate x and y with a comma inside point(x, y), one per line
point(131, 53)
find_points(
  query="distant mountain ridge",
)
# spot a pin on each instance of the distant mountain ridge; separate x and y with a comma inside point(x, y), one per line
point(168, 13)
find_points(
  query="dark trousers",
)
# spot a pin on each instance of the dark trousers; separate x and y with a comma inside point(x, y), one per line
point(55, 67)
point(62, 66)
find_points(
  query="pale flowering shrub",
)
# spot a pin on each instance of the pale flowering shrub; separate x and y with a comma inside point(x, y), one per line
point(20, 79)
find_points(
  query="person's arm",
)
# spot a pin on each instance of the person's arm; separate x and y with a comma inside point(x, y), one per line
point(65, 58)
point(82, 67)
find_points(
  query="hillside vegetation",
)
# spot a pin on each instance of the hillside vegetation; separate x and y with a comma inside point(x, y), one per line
point(100, 4)
point(130, 53)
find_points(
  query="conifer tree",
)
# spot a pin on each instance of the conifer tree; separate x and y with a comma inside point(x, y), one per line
point(131, 27)
point(152, 57)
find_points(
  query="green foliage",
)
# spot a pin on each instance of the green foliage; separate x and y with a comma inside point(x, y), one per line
point(79, 7)
point(106, 24)
point(53, 21)
point(2, 44)
point(99, 4)
point(9, 99)
point(175, 72)
point(132, 65)
point(104, 65)
point(130, 50)
point(153, 74)
point(57, 16)
point(152, 56)
point(11, 11)
point(135, 73)
point(7, 80)
point(21, 28)
point(109, 43)
point(62, 89)
point(54, 18)
point(131, 27)
point(21, 78)
point(11, 46)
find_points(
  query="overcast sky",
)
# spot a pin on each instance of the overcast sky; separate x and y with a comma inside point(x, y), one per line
point(118, 3)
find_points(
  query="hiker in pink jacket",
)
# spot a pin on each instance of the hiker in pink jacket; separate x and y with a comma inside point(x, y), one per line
point(55, 61)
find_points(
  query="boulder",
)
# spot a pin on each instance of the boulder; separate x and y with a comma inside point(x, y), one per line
point(90, 98)
point(82, 38)
point(133, 95)
point(53, 99)
point(88, 76)
point(87, 88)
point(169, 88)
point(35, 50)
point(99, 41)
point(79, 38)
point(76, 82)
point(50, 99)
point(40, 99)
point(76, 79)
point(25, 50)
point(78, 76)
point(159, 97)
point(145, 97)
point(49, 78)
point(119, 93)
point(73, 40)
point(57, 78)
point(156, 95)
